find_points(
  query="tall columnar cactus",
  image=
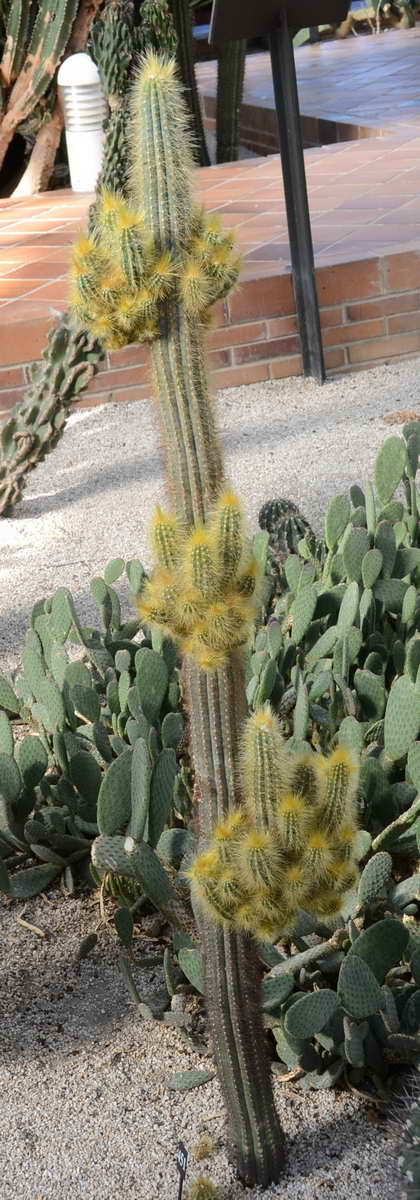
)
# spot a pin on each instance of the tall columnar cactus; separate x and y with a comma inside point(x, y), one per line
point(179, 263)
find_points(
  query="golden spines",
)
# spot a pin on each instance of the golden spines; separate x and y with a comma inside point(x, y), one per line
point(264, 764)
point(194, 288)
point(259, 861)
point(156, 603)
point(162, 275)
point(339, 777)
point(211, 608)
point(326, 903)
point(305, 780)
point(292, 821)
point(227, 535)
point(165, 538)
point(227, 836)
point(295, 884)
point(317, 855)
point(273, 855)
point(198, 565)
point(344, 841)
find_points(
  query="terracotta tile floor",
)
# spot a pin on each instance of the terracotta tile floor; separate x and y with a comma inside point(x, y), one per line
point(371, 82)
point(363, 199)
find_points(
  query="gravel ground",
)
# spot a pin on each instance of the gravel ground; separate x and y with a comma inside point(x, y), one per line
point(86, 1112)
point(92, 498)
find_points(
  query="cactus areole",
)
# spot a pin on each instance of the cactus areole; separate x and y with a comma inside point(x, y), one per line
point(173, 265)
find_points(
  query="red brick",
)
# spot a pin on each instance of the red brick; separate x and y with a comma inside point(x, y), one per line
point(11, 377)
point(402, 271)
point(404, 302)
point(237, 376)
point(340, 335)
point(9, 398)
point(130, 356)
point(284, 368)
point(334, 357)
point(219, 358)
point(349, 281)
point(23, 339)
point(273, 349)
point(269, 296)
point(234, 335)
point(331, 316)
point(384, 348)
point(107, 381)
point(404, 322)
point(279, 326)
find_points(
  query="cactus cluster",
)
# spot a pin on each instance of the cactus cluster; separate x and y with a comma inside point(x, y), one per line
point(117, 703)
point(120, 275)
point(292, 843)
point(203, 589)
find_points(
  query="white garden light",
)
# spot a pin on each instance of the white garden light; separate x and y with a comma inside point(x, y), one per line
point(85, 108)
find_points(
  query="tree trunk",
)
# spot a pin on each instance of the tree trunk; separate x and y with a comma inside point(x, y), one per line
point(37, 175)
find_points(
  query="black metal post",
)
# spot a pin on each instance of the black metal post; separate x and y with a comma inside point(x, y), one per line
point(296, 196)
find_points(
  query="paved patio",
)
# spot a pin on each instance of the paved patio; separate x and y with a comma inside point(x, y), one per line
point(348, 89)
point(366, 229)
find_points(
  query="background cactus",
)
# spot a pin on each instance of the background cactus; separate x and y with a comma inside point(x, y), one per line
point(34, 46)
point(182, 18)
point(230, 84)
point(71, 358)
point(286, 526)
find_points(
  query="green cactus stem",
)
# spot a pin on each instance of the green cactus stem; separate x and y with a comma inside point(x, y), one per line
point(71, 358)
point(181, 13)
point(230, 83)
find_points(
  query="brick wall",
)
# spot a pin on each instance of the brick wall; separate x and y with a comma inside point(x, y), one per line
point(370, 314)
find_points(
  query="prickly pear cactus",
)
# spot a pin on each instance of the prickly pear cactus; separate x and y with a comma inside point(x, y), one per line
point(104, 760)
point(345, 629)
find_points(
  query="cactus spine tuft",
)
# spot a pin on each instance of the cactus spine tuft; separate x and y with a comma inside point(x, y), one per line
point(284, 854)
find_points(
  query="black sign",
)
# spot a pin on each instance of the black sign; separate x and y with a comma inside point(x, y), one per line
point(233, 19)
point(181, 1162)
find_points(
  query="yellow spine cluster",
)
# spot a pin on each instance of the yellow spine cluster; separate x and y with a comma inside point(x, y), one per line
point(196, 592)
point(291, 845)
point(119, 279)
